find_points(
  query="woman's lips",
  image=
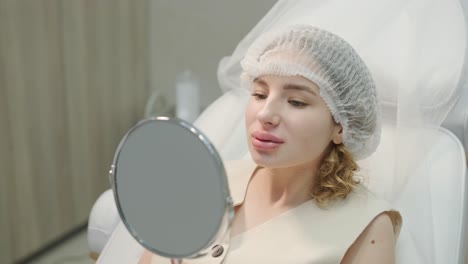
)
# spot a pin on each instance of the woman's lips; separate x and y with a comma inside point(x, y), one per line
point(265, 141)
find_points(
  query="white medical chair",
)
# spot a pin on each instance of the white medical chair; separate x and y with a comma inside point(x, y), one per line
point(445, 162)
point(448, 176)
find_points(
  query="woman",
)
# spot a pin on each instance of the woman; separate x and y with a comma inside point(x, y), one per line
point(312, 113)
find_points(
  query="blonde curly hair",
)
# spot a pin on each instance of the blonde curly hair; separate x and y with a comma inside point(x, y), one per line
point(335, 176)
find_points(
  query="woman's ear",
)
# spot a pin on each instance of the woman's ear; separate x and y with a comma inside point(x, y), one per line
point(337, 136)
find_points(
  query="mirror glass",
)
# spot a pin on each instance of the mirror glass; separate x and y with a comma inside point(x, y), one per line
point(171, 189)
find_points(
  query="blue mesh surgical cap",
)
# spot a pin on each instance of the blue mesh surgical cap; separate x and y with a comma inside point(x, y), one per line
point(345, 83)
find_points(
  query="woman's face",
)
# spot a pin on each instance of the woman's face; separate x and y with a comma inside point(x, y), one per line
point(287, 122)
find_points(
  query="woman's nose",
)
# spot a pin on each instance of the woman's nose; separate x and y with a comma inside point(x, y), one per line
point(269, 114)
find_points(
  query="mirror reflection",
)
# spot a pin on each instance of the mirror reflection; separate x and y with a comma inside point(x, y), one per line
point(171, 189)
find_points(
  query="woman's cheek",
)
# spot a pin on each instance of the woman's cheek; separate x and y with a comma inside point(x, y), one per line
point(250, 113)
point(316, 134)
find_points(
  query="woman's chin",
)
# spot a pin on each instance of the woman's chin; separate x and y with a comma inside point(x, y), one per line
point(265, 159)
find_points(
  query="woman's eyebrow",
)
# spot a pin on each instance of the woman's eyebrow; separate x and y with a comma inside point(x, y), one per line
point(260, 82)
point(289, 86)
point(299, 87)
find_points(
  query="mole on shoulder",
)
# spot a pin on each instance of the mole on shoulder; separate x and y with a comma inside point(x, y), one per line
point(373, 241)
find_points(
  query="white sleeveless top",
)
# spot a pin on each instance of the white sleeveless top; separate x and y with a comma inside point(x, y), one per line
point(305, 234)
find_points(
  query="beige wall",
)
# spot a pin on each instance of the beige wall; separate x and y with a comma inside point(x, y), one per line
point(74, 77)
point(196, 35)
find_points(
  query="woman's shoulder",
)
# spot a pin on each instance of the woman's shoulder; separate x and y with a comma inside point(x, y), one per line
point(365, 203)
point(375, 244)
point(379, 230)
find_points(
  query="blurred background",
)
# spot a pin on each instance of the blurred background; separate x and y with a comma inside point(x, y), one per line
point(75, 75)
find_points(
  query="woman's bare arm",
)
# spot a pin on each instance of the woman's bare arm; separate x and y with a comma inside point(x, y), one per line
point(376, 244)
point(146, 257)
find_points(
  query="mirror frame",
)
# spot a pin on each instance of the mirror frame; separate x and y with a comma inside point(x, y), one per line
point(222, 236)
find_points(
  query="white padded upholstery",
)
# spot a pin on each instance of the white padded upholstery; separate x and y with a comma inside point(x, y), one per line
point(103, 219)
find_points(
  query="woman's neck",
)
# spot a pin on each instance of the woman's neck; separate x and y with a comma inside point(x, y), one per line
point(283, 187)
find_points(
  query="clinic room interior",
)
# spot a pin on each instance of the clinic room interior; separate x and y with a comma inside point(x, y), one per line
point(77, 77)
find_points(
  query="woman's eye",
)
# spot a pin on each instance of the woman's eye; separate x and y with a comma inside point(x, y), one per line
point(259, 96)
point(296, 103)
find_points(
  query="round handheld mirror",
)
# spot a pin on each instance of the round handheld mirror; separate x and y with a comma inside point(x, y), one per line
point(171, 190)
